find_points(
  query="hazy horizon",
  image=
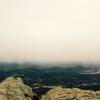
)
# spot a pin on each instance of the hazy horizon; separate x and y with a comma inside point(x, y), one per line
point(50, 31)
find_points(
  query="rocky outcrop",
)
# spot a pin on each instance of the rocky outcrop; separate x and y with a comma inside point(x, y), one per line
point(60, 93)
point(15, 89)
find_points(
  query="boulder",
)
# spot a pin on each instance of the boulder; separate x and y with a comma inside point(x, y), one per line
point(60, 93)
point(15, 89)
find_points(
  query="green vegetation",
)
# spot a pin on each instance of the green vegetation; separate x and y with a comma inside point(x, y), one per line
point(70, 77)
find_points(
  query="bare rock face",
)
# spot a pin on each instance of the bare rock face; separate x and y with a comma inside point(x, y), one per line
point(60, 93)
point(14, 89)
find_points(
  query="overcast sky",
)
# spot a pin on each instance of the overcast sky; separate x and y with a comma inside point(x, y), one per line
point(50, 30)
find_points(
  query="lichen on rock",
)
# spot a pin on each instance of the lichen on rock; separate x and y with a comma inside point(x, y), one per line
point(60, 93)
point(15, 89)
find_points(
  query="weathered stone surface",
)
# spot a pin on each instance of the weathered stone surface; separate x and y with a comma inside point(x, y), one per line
point(60, 93)
point(3, 94)
point(15, 89)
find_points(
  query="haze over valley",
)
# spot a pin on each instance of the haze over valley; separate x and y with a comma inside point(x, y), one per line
point(49, 31)
point(49, 50)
